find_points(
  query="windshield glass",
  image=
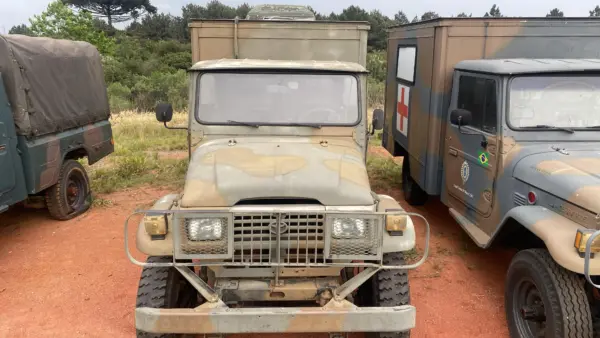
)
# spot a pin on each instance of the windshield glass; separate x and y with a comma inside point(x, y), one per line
point(555, 101)
point(278, 99)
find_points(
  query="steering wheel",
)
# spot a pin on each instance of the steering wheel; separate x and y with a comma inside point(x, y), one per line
point(331, 114)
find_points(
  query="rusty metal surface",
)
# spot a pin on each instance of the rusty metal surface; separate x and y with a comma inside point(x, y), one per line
point(289, 289)
point(336, 316)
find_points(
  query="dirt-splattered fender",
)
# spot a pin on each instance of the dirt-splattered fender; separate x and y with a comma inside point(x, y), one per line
point(557, 232)
point(402, 243)
point(143, 241)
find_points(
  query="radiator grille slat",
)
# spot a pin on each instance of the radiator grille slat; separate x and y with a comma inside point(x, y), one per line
point(286, 237)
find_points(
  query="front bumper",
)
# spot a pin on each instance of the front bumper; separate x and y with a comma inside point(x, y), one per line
point(216, 318)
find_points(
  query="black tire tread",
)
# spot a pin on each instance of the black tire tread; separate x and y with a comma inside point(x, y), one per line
point(152, 291)
point(54, 199)
point(392, 289)
point(413, 194)
point(566, 292)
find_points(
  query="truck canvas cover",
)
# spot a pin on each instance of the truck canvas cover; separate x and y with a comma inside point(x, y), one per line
point(52, 85)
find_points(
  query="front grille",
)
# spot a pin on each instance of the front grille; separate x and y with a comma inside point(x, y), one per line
point(294, 238)
point(279, 237)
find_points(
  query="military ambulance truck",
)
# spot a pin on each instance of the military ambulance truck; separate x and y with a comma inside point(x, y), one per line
point(277, 229)
point(53, 111)
point(501, 119)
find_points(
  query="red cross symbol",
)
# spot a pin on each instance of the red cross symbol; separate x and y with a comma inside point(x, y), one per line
point(402, 109)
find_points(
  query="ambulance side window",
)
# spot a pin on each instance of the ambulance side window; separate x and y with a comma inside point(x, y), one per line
point(478, 95)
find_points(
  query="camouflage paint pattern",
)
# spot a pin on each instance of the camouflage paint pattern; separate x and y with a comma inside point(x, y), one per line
point(518, 162)
point(231, 163)
point(335, 316)
point(12, 181)
point(40, 158)
point(43, 156)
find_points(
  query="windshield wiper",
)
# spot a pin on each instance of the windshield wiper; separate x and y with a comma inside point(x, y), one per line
point(545, 126)
point(312, 125)
point(247, 124)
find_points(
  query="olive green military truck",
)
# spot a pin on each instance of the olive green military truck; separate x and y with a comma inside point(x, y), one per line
point(277, 229)
point(53, 111)
point(501, 119)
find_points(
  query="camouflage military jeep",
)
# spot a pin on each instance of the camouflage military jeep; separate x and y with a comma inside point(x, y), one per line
point(277, 229)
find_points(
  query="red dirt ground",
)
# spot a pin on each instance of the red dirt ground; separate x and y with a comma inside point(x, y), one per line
point(72, 279)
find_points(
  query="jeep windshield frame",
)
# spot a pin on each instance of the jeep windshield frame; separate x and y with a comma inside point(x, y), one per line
point(354, 109)
point(546, 124)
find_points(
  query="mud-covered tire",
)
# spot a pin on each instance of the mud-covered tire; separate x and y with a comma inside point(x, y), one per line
point(413, 194)
point(387, 288)
point(70, 196)
point(534, 278)
point(164, 288)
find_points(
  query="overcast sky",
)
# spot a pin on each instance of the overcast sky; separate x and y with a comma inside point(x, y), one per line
point(17, 12)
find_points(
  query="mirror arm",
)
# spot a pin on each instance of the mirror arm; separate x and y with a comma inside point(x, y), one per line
point(174, 128)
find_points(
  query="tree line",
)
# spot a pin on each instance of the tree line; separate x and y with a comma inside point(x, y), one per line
point(147, 23)
point(146, 62)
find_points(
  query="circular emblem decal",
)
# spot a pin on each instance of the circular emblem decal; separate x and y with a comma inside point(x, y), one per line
point(464, 172)
point(276, 226)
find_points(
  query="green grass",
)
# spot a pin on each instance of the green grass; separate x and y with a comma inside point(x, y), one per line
point(138, 138)
point(384, 173)
point(135, 133)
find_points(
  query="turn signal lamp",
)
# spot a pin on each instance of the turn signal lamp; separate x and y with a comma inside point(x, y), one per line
point(581, 239)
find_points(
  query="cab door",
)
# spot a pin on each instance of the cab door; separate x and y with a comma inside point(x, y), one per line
point(7, 145)
point(470, 159)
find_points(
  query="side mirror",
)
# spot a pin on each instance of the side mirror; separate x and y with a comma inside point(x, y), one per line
point(377, 121)
point(164, 112)
point(461, 117)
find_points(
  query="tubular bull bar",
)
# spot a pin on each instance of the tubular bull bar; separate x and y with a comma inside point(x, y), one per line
point(338, 315)
point(588, 257)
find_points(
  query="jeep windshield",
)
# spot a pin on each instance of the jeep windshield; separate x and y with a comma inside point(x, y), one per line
point(565, 103)
point(292, 99)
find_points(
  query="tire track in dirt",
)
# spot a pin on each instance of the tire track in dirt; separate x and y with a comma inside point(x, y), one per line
point(72, 279)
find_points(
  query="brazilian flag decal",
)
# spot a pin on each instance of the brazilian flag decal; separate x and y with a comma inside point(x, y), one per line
point(484, 158)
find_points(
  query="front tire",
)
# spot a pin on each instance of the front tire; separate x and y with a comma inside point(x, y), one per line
point(164, 288)
point(387, 288)
point(413, 194)
point(542, 299)
point(69, 197)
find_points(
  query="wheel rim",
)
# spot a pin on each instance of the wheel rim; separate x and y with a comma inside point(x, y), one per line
point(528, 310)
point(75, 190)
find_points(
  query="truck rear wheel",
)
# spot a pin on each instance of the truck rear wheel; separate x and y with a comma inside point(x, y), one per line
point(413, 194)
point(543, 299)
point(69, 197)
point(387, 288)
point(164, 288)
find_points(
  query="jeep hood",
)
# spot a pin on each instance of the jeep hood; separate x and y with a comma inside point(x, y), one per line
point(574, 177)
point(223, 173)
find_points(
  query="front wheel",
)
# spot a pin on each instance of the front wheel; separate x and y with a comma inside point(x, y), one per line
point(164, 288)
point(542, 299)
point(386, 289)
